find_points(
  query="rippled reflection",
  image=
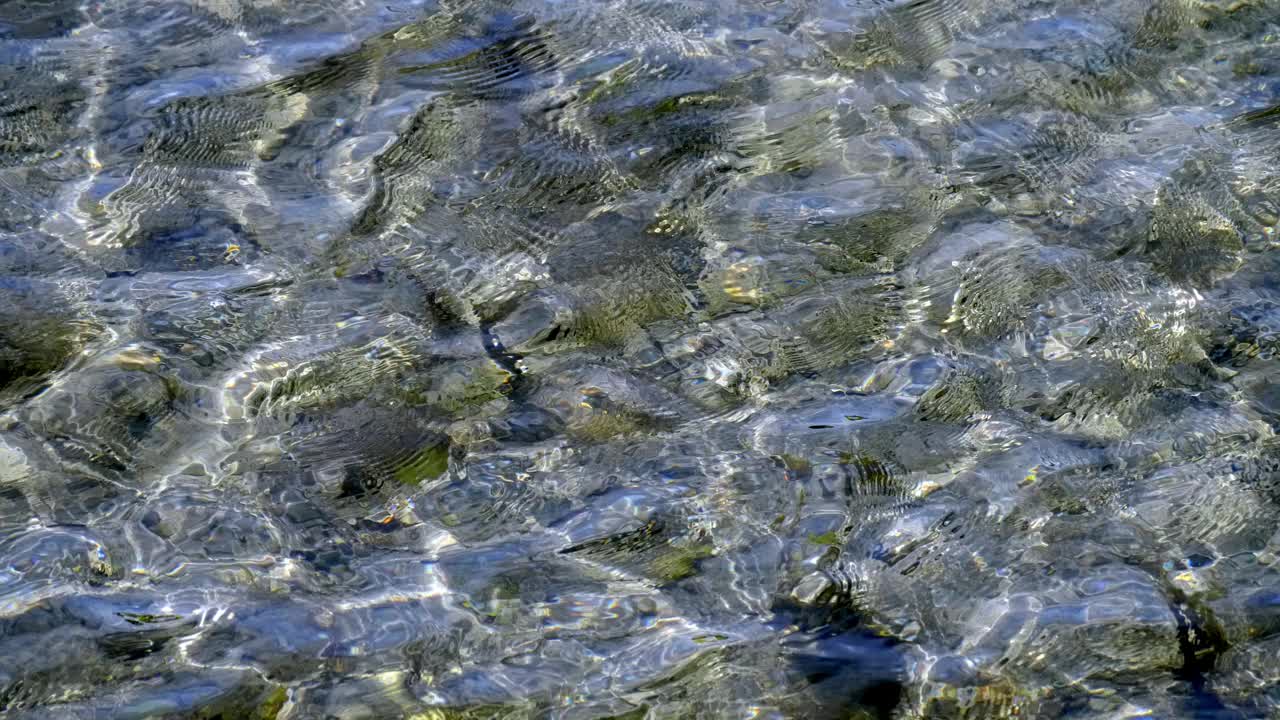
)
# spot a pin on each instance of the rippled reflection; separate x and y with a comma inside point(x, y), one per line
point(637, 359)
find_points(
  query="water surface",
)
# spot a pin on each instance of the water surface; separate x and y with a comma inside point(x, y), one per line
point(639, 359)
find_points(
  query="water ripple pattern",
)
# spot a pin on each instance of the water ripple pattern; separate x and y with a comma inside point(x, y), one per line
point(639, 359)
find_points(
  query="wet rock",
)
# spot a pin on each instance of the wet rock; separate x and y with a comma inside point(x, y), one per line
point(40, 333)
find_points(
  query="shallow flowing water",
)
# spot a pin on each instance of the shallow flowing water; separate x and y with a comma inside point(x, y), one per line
point(639, 359)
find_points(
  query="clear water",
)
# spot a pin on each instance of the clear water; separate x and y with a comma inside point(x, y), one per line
point(639, 359)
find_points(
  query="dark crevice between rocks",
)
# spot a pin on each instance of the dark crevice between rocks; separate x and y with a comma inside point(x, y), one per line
point(506, 360)
point(1201, 642)
point(851, 671)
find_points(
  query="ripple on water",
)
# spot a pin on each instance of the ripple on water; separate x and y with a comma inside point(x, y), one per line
point(525, 359)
